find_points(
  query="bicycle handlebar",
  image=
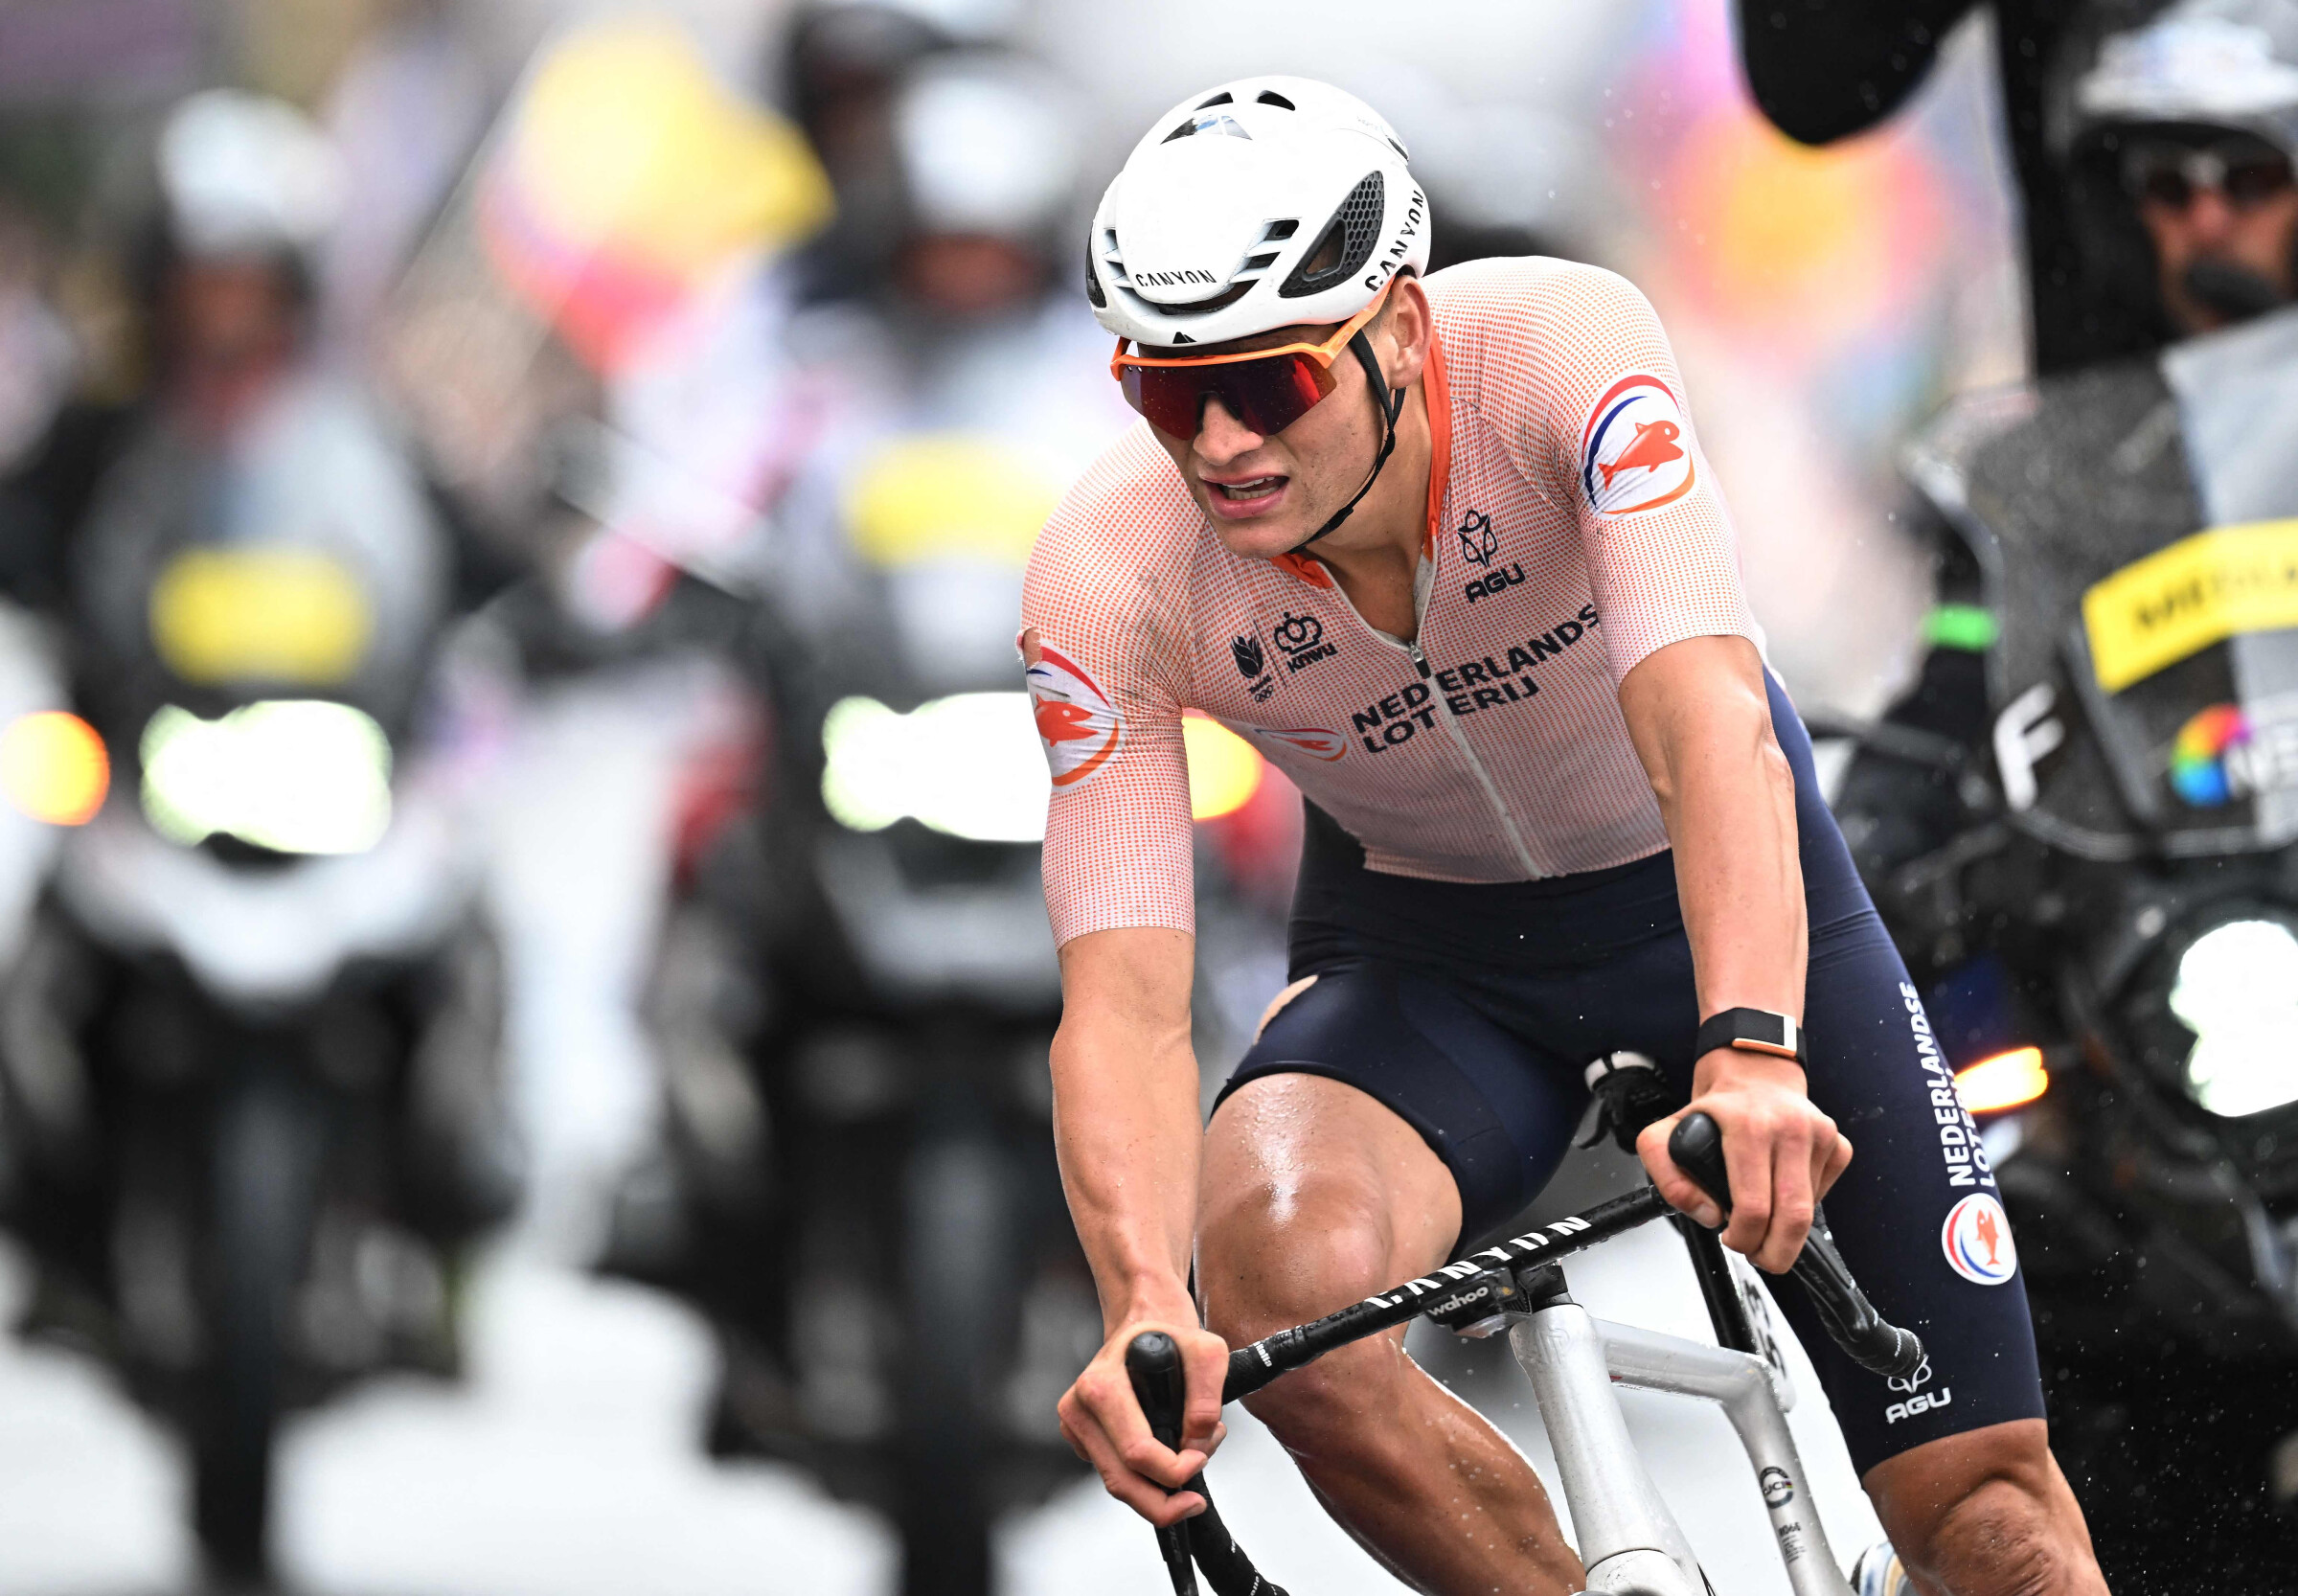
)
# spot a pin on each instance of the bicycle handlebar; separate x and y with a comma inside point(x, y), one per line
point(1153, 1360)
point(1153, 1363)
point(1867, 1338)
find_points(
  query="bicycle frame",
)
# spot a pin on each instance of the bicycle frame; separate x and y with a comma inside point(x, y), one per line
point(1630, 1542)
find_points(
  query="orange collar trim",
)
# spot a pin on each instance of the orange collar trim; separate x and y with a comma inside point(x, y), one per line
point(1438, 388)
point(1438, 394)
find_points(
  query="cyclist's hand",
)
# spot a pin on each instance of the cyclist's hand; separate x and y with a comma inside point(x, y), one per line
point(1103, 1422)
point(1781, 1152)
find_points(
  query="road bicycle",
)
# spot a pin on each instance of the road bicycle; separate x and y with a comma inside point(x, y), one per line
point(1630, 1542)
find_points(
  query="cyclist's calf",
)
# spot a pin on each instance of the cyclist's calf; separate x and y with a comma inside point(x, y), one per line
point(1986, 1513)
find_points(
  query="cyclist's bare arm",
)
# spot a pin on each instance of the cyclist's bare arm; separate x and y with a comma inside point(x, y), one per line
point(1697, 712)
point(1126, 1123)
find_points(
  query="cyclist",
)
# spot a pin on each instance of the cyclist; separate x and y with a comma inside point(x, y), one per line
point(1448, 552)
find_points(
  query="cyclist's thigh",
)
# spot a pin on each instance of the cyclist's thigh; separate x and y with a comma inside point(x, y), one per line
point(1917, 1214)
point(1495, 1113)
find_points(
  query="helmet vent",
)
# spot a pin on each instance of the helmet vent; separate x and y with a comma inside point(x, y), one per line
point(1345, 246)
point(1221, 301)
point(1093, 284)
point(1278, 231)
point(1225, 97)
point(1270, 97)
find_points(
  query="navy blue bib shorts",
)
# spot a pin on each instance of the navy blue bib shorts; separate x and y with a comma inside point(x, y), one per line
point(1472, 1011)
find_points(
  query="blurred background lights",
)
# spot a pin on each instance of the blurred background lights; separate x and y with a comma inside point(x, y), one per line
point(297, 776)
point(1225, 769)
point(968, 765)
point(2003, 1082)
point(54, 767)
point(2238, 991)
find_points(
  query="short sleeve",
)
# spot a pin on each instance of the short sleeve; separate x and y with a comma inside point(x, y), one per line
point(1101, 649)
point(1613, 437)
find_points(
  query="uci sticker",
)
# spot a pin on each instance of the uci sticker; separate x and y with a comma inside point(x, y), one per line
point(1309, 739)
point(1634, 451)
point(1078, 725)
point(1976, 1238)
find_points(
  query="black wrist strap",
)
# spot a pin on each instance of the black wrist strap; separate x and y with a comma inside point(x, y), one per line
point(1751, 1031)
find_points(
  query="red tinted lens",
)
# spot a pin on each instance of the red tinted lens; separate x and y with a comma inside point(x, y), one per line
point(1266, 395)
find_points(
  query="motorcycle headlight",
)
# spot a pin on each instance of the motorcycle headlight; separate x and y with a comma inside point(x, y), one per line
point(968, 765)
point(296, 776)
point(2236, 988)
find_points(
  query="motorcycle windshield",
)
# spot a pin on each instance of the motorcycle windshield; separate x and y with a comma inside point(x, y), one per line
point(2140, 529)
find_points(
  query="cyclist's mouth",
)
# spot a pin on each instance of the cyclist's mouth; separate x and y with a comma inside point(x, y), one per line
point(1249, 497)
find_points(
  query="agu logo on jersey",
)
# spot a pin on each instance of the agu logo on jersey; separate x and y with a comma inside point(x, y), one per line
point(1976, 1238)
point(1308, 739)
point(1633, 454)
point(1078, 725)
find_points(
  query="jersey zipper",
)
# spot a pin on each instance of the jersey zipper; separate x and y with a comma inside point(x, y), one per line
point(1483, 778)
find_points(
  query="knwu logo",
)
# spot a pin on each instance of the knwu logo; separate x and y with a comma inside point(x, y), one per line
point(1302, 637)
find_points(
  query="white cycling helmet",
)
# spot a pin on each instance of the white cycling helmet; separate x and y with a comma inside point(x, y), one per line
point(2211, 63)
point(1266, 202)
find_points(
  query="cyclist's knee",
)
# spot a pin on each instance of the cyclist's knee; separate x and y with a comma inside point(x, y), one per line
point(1271, 1256)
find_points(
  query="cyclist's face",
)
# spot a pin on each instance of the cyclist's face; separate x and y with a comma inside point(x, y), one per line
point(2240, 212)
point(1264, 494)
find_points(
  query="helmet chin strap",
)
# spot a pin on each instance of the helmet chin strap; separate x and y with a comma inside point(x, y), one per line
point(1388, 409)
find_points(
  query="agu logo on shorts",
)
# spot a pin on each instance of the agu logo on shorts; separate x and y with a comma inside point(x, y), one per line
point(1078, 725)
point(1633, 454)
point(1976, 1238)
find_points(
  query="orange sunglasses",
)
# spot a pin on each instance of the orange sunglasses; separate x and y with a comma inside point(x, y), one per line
point(1265, 389)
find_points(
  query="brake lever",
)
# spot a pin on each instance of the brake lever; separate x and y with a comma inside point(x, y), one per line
point(1870, 1340)
point(1153, 1364)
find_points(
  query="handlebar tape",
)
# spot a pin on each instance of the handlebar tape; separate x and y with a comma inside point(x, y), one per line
point(1865, 1335)
point(1153, 1363)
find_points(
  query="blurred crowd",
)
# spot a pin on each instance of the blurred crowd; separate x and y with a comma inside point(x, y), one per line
point(510, 533)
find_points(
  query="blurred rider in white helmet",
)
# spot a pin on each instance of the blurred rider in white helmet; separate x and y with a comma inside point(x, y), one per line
point(1448, 553)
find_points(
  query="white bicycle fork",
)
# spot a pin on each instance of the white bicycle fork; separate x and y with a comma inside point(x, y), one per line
point(1628, 1541)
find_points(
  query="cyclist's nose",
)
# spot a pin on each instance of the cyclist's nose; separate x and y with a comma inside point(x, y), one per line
point(1221, 437)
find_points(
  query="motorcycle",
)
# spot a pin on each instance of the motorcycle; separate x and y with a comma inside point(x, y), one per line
point(249, 1096)
point(854, 1003)
point(2111, 932)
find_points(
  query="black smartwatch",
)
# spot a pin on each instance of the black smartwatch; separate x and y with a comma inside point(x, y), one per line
point(1751, 1031)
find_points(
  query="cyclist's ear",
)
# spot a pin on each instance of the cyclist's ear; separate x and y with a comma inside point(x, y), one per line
point(1402, 331)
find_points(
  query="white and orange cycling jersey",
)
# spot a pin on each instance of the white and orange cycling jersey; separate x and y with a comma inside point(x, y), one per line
point(1574, 529)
